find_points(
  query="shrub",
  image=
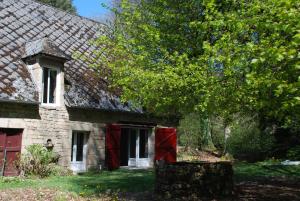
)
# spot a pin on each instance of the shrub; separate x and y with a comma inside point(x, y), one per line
point(38, 161)
point(247, 141)
point(294, 153)
point(58, 170)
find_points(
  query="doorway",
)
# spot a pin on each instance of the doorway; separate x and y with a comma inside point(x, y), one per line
point(134, 147)
point(10, 150)
point(79, 151)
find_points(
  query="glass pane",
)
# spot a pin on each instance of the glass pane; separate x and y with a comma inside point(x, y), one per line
point(45, 84)
point(73, 143)
point(52, 88)
point(124, 148)
point(133, 144)
point(143, 144)
point(79, 152)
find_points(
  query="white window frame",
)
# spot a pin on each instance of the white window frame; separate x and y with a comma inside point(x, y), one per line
point(79, 166)
point(137, 161)
point(58, 86)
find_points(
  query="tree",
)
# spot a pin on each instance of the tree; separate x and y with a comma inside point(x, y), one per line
point(66, 5)
point(194, 132)
point(213, 57)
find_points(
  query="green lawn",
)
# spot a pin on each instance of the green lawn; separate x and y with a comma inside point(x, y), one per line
point(89, 183)
point(264, 170)
point(123, 180)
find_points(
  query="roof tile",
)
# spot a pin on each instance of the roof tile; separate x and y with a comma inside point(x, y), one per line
point(22, 21)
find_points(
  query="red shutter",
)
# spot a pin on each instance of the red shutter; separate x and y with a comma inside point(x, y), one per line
point(113, 136)
point(165, 144)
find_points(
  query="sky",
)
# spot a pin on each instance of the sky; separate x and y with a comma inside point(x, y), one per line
point(91, 8)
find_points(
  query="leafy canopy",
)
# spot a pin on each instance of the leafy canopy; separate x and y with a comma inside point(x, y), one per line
point(217, 57)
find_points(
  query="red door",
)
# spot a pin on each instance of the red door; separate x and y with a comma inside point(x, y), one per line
point(113, 137)
point(165, 144)
point(10, 149)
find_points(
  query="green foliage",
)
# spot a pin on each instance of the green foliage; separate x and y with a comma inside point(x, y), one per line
point(66, 5)
point(194, 132)
point(38, 161)
point(294, 153)
point(217, 57)
point(247, 140)
point(217, 133)
point(13, 180)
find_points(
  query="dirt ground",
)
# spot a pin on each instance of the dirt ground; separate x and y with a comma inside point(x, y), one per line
point(245, 191)
point(268, 191)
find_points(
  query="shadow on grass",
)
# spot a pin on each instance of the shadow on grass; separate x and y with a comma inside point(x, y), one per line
point(254, 171)
point(284, 170)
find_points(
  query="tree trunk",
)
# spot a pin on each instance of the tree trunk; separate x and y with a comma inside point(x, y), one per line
point(227, 131)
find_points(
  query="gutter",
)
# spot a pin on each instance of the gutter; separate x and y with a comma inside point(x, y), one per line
point(17, 101)
point(103, 110)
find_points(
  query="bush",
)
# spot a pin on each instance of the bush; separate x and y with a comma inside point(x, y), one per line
point(294, 153)
point(248, 142)
point(58, 170)
point(38, 161)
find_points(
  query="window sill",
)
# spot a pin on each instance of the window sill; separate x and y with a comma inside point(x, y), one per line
point(50, 107)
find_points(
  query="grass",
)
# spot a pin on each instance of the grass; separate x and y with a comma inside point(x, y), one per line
point(265, 170)
point(89, 183)
point(122, 180)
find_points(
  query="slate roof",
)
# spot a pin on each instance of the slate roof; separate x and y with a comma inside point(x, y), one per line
point(24, 25)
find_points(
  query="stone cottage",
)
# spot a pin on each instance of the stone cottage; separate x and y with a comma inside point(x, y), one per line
point(48, 97)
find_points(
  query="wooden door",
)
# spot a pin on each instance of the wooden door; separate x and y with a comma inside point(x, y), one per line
point(112, 141)
point(10, 150)
point(165, 144)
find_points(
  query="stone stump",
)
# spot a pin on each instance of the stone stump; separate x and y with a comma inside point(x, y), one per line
point(193, 180)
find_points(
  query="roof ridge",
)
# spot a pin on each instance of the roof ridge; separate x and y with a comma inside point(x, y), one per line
point(67, 12)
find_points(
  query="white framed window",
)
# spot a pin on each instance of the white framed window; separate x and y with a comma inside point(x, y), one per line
point(138, 146)
point(50, 86)
point(79, 150)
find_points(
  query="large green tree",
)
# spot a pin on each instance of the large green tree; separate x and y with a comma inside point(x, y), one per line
point(209, 56)
point(66, 5)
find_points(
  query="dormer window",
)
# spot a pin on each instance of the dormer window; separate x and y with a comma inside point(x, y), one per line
point(46, 62)
point(50, 83)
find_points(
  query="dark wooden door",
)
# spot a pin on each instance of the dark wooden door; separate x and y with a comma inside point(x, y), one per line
point(10, 149)
point(113, 138)
point(165, 144)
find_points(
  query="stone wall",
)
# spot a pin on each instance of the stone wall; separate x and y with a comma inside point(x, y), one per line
point(193, 181)
point(19, 110)
point(53, 125)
